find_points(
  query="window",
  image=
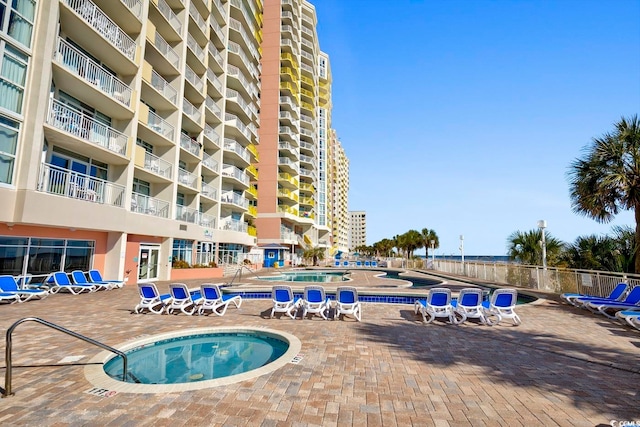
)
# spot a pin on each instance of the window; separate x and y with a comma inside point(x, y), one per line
point(18, 22)
point(8, 143)
point(141, 187)
point(13, 72)
point(183, 250)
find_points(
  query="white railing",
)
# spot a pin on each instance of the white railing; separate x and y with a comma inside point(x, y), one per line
point(233, 120)
point(215, 80)
point(234, 172)
point(63, 182)
point(80, 65)
point(186, 214)
point(85, 127)
point(191, 111)
point(166, 50)
point(250, 87)
point(211, 105)
point(206, 220)
point(157, 165)
point(187, 178)
point(195, 48)
point(233, 95)
point(212, 135)
point(149, 205)
point(213, 50)
point(287, 161)
point(135, 6)
point(234, 198)
point(558, 280)
point(95, 17)
point(193, 78)
point(163, 86)
point(217, 29)
point(160, 125)
point(193, 12)
point(210, 192)
point(189, 144)
point(168, 13)
point(210, 162)
point(231, 145)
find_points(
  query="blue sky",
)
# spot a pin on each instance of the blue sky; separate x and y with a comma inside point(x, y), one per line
point(464, 116)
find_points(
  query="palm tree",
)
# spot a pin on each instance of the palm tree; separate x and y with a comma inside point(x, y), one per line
point(526, 247)
point(314, 254)
point(427, 236)
point(607, 179)
point(593, 252)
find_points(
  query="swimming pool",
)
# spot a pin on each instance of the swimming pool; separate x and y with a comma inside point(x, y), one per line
point(193, 359)
point(308, 276)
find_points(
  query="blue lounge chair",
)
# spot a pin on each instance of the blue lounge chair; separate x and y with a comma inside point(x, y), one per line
point(345, 263)
point(609, 308)
point(284, 301)
point(150, 299)
point(632, 317)
point(8, 285)
point(96, 277)
point(437, 304)
point(182, 299)
point(347, 303)
point(9, 297)
point(367, 263)
point(79, 278)
point(336, 263)
point(214, 300)
point(315, 301)
point(502, 305)
point(579, 300)
point(468, 305)
point(374, 263)
point(358, 263)
point(61, 282)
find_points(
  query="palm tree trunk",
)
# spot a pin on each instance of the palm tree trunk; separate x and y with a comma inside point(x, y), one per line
point(635, 252)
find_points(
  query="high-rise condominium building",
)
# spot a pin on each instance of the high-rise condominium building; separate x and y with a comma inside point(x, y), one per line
point(357, 229)
point(295, 122)
point(340, 195)
point(128, 131)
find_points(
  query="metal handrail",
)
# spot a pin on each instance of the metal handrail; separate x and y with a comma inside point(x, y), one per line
point(238, 274)
point(7, 377)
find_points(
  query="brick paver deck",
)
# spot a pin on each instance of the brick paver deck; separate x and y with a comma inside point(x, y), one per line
point(562, 366)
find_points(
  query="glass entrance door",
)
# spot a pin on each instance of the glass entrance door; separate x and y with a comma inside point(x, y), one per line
point(148, 264)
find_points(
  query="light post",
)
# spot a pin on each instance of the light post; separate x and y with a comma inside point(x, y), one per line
point(542, 224)
point(433, 254)
point(462, 252)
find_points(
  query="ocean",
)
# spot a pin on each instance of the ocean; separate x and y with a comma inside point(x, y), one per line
point(483, 258)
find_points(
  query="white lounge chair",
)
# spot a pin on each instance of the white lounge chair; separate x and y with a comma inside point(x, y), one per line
point(609, 308)
point(468, 305)
point(61, 282)
point(315, 301)
point(631, 317)
point(182, 299)
point(579, 300)
point(284, 301)
point(347, 303)
point(214, 300)
point(79, 278)
point(8, 285)
point(150, 299)
point(437, 304)
point(96, 277)
point(502, 305)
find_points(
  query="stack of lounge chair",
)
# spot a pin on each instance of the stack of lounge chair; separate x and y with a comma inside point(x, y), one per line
point(622, 303)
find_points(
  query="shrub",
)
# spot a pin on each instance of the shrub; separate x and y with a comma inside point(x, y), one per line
point(180, 263)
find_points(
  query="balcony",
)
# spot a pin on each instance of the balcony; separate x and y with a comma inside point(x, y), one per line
point(111, 36)
point(110, 94)
point(198, 54)
point(288, 180)
point(170, 17)
point(196, 91)
point(66, 183)
point(199, 21)
point(235, 199)
point(218, 62)
point(211, 105)
point(80, 125)
point(287, 194)
point(164, 58)
point(192, 113)
point(234, 225)
point(159, 125)
point(236, 127)
point(209, 192)
point(190, 145)
point(186, 214)
point(241, 153)
point(215, 81)
point(210, 163)
point(286, 164)
point(212, 136)
point(218, 31)
point(207, 221)
point(235, 173)
point(187, 179)
point(149, 205)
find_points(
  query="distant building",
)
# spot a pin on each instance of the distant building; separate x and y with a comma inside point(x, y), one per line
point(339, 195)
point(357, 229)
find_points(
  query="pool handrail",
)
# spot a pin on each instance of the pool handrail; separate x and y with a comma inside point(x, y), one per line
point(7, 376)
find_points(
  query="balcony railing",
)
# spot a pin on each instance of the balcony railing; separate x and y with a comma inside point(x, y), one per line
point(217, 29)
point(210, 162)
point(234, 172)
point(191, 111)
point(195, 48)
point(163, 86)
point(231, 145)
point(211, 105)
point(168, 13)
point(234, 225)
point(63, 182)
point(82, 66)
point(186, 214)
point(160, 125)
point(149, 205)
point(187, 178)
point(193, 12)
point(96, 18)
point(234, 198)
point(213, 50)
point(209, 191)
point(157, 165)
point(135, 6)
point(166, 50)
point(193, 78)
point(190, 144)
point(212, 135)
point(206, 220)
point(233, 120)
point(85, 127)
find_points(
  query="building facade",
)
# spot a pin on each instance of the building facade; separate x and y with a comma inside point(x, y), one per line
point(128, 134)
point(339, 182)
point(357, 229)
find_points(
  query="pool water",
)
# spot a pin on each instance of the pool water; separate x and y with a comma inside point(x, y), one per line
point(308, 276)
point(197, 358)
